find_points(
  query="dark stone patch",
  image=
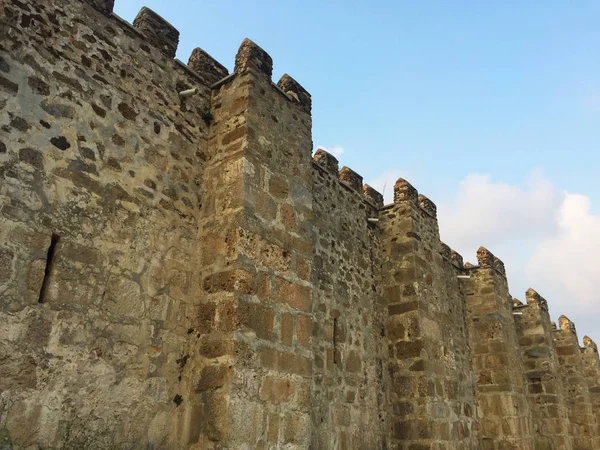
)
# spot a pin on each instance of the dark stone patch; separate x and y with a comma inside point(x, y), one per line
point(44, 124)
point(114, 192)
point(127, 111)
point(91, 39)
point(117, 140)
point(59, 111)
point(113, 164)
point(2, 147)
point(60, 142)
point(149, 183)
point(38, 86)
point(32, 157)
point(80, 180)
point(100, 111)
point(87, 62)
point(4, 67)
point(105, 55)
point(68, 81)
point(87, 153)
point(100, 79)
point(101, 149)
point(80, 166)
point(156, 127)
point(19, 123)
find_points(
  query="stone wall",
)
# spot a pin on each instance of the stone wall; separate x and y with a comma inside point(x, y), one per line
point(432, 385)
point(546, 392)
point(350, 375)
point(177, 271)
point(501, 387)
point(101, 168)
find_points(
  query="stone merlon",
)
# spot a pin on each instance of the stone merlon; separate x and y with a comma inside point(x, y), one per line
point(252, 57)
point(532, 297)
point(565, 324)
point(405, 192)
point(589, 344)
point(373, 196)
point(327, 161)
point(351, 178)
point(457, 259)
point(485, 258)
point(296, 92)
point(206, 66)
point(160, 33)
point(427, 205)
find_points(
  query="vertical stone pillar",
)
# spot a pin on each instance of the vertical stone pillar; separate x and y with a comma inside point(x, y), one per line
point(257, 229)
point(545, 389)
point(591, 365)
point(428, 408)
point(501, 388)
point(582, 420)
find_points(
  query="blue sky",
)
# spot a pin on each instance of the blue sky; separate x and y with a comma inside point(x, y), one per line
point(491, 109)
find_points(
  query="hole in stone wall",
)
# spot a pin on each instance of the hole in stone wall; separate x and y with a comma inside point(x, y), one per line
point(49, 265)
point(335, 333)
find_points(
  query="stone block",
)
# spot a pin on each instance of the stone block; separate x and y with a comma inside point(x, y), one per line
point(295, 295)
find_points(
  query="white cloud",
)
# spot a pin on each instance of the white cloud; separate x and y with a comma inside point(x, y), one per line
point(566, 261)
point(491, 212)
point(335, 151)
point(548, 240)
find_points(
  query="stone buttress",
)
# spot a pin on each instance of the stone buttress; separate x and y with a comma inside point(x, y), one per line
point(431, 379)
point(582, 418)
point(501, 387)
point(546, 392)
point(259, 165)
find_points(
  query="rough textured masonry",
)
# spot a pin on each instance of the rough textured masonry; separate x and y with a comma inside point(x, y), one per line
point(179, 272)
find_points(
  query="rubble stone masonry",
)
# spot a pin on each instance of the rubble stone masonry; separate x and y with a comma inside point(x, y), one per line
point(179, 271)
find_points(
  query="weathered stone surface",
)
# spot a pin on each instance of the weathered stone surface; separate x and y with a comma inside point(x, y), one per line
point(205, 65)
point(160, 33)
point(251, 56)
point(183, 275)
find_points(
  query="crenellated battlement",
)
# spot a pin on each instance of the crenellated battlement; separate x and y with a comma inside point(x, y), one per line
point(325, 161)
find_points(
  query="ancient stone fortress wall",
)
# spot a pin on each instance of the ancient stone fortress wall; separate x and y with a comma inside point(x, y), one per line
point(177, 271)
